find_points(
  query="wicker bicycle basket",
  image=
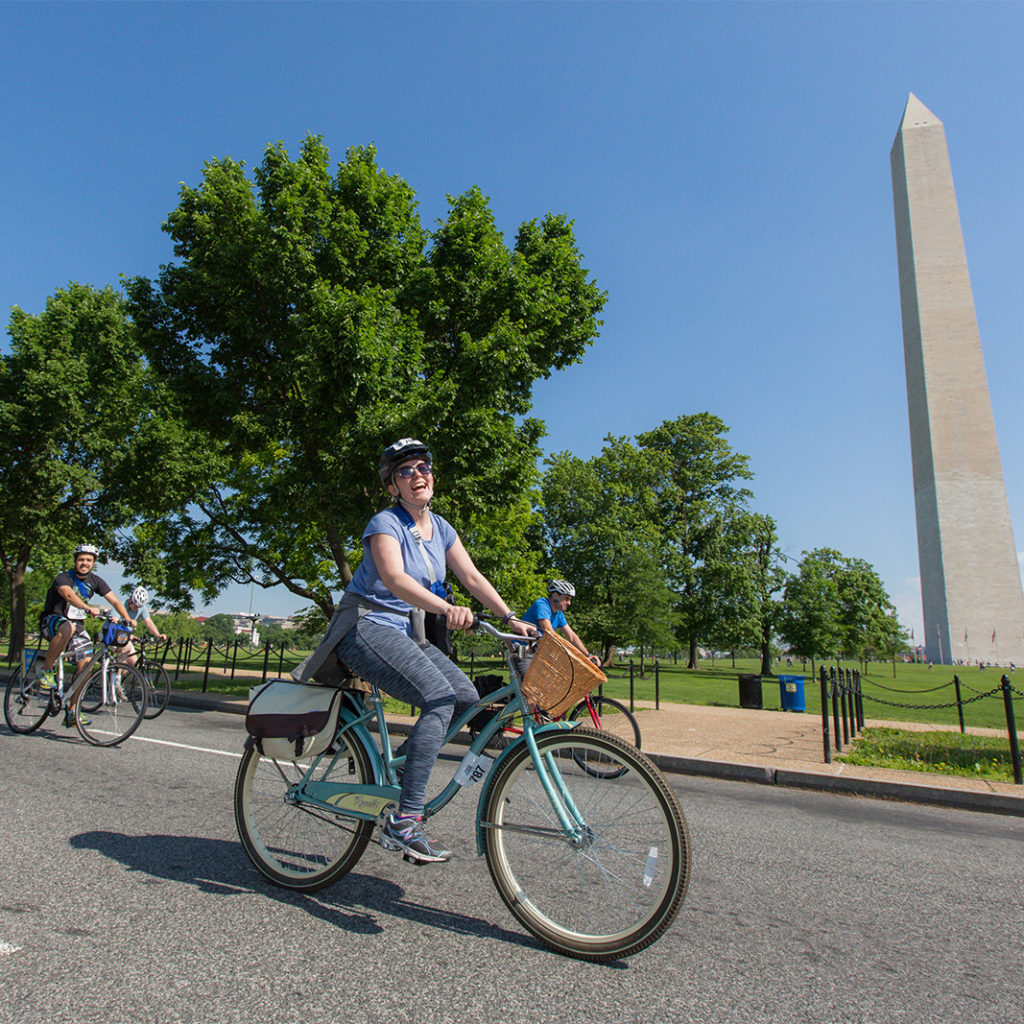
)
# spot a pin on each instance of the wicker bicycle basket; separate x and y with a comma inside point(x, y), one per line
point(559, 677)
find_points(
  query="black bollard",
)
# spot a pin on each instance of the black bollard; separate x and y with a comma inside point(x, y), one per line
point(1011, 728)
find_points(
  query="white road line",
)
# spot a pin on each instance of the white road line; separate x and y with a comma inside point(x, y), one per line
point(186, 746)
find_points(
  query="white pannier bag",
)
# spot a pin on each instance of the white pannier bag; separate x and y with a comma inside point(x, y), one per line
point(286, 719)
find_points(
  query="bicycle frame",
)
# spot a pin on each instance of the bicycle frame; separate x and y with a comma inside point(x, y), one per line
point(368, 802)
point(83, 659)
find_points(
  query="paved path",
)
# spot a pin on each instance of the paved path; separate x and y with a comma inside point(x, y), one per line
point(768, 747)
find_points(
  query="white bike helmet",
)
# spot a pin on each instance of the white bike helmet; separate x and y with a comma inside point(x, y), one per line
point(86, 549)
point(139, 597)
point(561, 587)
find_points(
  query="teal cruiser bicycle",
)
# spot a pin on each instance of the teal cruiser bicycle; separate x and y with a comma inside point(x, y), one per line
point(595, 863)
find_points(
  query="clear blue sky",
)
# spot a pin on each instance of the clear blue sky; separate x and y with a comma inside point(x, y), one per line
point(726, 165)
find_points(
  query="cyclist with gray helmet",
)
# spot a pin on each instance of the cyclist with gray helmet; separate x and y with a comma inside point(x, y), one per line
point(64, 612)
point(407, 550)
point(548, 614)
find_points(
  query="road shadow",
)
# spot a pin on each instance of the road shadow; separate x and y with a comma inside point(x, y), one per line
point(353, 904)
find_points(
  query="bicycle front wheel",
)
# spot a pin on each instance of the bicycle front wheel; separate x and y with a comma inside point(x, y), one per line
point(296, 845)
point(613, 717)
point(111, 706)
point(612, 886)
point(25, 704)
point(159, 689)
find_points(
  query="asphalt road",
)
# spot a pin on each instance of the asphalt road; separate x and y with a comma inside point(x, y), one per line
point(125, 896)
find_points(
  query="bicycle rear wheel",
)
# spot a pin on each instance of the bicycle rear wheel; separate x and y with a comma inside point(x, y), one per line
point(25, 704)
point(613, 887)
point(295, 845)
point(110, 710)
point(614, 718)
point(159, 688)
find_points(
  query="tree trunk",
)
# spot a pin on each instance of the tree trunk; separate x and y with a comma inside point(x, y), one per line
point(16, 576)
point(691, 660)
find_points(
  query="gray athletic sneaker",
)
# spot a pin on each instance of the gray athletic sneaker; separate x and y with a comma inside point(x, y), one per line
point(408, 836)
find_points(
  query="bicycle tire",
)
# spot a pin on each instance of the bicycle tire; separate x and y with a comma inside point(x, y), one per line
point(620, 885)
point(159, 688)
point(295, 846)
point(617, 720)
point(105, 723)
point(25, 705)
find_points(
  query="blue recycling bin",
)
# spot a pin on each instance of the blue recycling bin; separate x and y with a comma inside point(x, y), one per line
point(791, 693)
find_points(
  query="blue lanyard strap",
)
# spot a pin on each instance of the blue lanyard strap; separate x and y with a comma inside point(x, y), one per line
point(83, 591)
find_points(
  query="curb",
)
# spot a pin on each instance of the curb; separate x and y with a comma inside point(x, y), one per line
point(964, 800)
point(879, 789)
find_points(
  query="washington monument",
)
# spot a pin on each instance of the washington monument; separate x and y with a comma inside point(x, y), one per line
point(970, 579)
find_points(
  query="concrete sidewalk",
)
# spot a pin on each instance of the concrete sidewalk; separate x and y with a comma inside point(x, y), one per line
point(767, 747)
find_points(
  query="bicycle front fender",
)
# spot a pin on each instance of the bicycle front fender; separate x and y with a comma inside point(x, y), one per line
point(537, 731)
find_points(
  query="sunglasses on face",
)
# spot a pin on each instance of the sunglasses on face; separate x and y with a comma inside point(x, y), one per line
point(407, 472)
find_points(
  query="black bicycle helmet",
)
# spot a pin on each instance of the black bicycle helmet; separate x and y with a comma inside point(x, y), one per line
point(401, 451)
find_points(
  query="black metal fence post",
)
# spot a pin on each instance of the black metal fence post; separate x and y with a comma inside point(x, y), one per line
point(266, 661)
point(206, 670)
point(657, 687)
point(630, 684)
point(1011, 728)
point(959, 702)
point(860, 699)
point(851, 699)
point(835, 705)
point(826, 741)
point(234, 659)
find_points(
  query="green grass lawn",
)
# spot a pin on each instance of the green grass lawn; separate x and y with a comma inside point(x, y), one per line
point(916, 694)
point(947, 753)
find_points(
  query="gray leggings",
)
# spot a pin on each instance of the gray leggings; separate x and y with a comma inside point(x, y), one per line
point(424, 677)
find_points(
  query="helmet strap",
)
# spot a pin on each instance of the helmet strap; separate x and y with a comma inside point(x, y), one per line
point(413, 508)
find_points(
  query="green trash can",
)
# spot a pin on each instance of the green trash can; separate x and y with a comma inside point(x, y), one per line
point(791, 693)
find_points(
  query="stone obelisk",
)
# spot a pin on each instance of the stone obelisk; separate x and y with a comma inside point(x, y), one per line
point(970, 580)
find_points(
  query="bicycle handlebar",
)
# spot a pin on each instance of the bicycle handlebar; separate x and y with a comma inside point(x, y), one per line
point(481, 625)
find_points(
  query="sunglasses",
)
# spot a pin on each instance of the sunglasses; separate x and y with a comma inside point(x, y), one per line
point(407, 472)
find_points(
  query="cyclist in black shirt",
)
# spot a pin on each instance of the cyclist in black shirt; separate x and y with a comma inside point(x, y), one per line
point(66, 608)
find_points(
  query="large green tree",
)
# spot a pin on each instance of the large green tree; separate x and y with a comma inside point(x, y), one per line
point(74, 423)
point(836, 606)
point(600, 532)
point(309, 320)
point(701, 505)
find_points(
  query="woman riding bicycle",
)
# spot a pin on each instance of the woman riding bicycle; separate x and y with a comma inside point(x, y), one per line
point(378, 628)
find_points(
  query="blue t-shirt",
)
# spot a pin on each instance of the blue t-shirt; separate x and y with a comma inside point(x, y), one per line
point(367, 582)
point(541, 609)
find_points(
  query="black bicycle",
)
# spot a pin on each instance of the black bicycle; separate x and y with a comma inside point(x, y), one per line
point(156, 675)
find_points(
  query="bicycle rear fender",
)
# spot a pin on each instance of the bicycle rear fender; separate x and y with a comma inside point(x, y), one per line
point(537, 731)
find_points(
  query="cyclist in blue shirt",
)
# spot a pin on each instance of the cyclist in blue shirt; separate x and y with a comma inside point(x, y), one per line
point(548, 614)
